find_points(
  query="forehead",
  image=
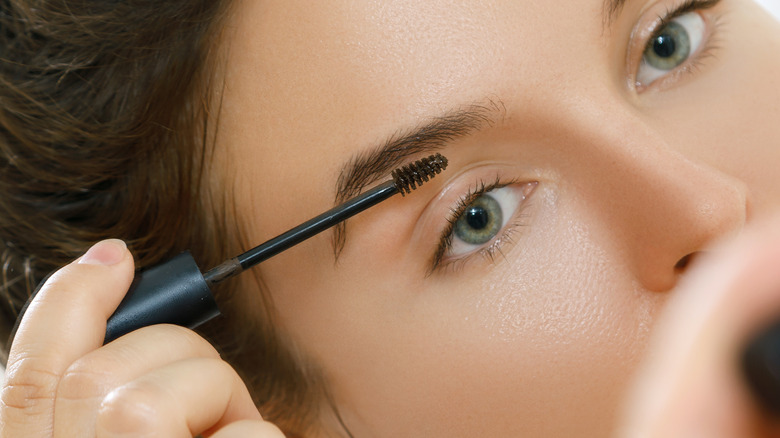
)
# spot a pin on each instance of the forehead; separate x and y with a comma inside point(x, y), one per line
point(376, 38)
point(325, 79)
point(407, 55)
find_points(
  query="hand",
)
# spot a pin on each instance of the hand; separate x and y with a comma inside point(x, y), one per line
point(692, 384)
point(157, 381)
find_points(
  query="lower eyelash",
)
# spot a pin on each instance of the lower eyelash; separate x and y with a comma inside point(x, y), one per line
point(495, 245)
point(709, 47)
point(505, 237)
point(708, 50)
point(445, 241)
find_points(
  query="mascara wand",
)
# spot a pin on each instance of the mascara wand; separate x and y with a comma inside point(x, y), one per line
point(176, 292)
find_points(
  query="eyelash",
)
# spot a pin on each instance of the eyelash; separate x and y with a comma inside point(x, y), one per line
point(489, 251)
point(685, 7)
point(482, 187)
point(706, 50)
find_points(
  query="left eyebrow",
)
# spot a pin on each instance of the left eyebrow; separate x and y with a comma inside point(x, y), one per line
point(369, 166)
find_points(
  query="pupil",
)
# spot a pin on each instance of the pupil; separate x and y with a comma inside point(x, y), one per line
point(664, 46)
point(477, 218)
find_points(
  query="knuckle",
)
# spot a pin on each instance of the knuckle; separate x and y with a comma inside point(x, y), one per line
point(250, 428)
point(67, 278)
point(224, 367)
point(269, 430)
point(28, 387)
point(134, 409)
point(220, 370)
point(66, 287)
point(76, 284)
point(86, 378)
point(183, 335)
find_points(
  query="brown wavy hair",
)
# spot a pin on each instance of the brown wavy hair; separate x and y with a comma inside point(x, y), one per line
point(104, 110)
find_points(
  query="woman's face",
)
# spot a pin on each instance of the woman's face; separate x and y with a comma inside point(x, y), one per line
point(513, 294)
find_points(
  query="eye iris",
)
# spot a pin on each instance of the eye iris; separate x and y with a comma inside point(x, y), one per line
point(480, 222)
point(670, 48)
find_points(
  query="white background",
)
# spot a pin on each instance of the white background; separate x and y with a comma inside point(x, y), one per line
point(772, 5)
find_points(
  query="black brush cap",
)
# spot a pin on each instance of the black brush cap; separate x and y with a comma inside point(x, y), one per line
point(173, 292)
point(761, 365)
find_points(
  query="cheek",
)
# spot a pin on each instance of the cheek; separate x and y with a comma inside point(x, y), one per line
point(554, 328)
point(565, 325)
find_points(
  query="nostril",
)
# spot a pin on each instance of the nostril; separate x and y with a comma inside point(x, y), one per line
point(684, 262)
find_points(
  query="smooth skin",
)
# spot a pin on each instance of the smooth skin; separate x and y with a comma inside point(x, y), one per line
point(632, 183)
point(545, 339)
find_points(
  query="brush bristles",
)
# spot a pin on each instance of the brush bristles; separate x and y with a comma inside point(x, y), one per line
point(411, 176)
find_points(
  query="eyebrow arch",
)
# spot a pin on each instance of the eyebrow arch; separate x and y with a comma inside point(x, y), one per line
point(374, 163)
point(611, 11)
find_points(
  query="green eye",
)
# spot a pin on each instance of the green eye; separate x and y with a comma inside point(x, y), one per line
point(674, 44)
point(480, 222)
point(670, 48)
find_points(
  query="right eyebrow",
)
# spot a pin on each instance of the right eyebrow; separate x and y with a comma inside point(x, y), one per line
point(367, 167)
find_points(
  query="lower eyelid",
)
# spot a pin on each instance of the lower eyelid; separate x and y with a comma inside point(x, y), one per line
point(694, 21)
point(699, 43)
point(653, 20)
point(511, 193)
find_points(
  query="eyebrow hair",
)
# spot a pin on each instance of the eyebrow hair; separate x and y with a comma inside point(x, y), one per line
point(611, 11)
point(370, 165)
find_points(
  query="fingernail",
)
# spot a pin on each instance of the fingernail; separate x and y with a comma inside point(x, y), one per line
point(107, 252)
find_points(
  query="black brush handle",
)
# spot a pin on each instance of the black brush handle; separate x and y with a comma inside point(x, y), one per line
point(173, 292)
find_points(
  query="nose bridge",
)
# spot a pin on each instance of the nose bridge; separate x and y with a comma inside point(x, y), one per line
point(657, 205)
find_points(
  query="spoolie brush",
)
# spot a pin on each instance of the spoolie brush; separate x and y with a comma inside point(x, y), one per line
point(175, 292)
point(415, 174)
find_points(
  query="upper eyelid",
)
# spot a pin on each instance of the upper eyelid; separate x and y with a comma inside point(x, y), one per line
point(500, 241)
point(684, 8)
point(672, 13)
point(464, 181)
point(643, 34)
point(480, 189)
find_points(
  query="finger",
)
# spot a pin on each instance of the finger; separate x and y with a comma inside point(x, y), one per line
point(180, 399)
point(247, 428)
point(87, 381)
point(66, 320)
point(692, 386)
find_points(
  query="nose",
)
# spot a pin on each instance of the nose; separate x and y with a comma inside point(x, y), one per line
point(674, 209)
point(661, 208)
